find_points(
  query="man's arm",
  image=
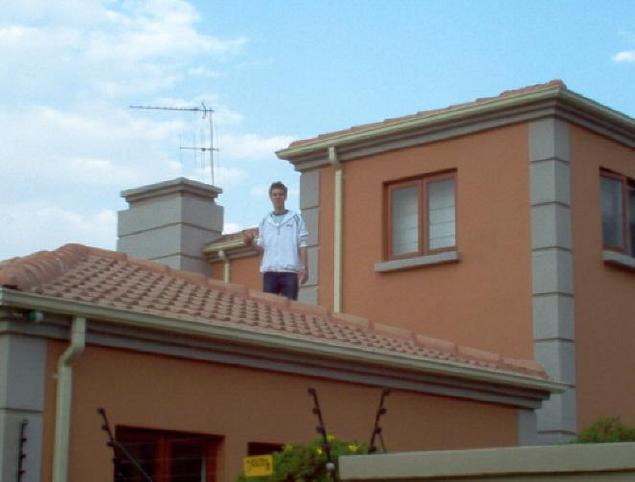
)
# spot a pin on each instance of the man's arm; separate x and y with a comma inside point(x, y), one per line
point(248, 239)
point(304, 270)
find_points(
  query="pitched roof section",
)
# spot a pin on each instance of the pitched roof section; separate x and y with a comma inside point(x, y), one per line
point(105, 278)
point(552, 90)
point(554, 84)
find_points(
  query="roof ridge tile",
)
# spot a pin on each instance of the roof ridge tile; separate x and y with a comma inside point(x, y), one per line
point(351, 320)
point(437, 344)
point(107, 253)
point(552, 84)
point(381, 328)
point(306, 308)
point(38, 268)
point(280, 301)
point(478, 354)
point(531, 366)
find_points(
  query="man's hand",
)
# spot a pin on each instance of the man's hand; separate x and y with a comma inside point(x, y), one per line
point(303, 275)
point(248, 237)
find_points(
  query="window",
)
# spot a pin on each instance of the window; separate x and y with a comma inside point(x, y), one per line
point(260, 448)
point(618, 212)
point(167, 456)
point(421, 216)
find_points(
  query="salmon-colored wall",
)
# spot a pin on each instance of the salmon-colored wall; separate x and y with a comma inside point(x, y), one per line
point(246, 405)
point(244, 271)
point(484, 300)
point(217, 270)
point(604, 295)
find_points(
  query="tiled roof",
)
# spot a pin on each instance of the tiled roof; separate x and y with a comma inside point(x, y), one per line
point(110, 279)
point(237, 236)
point(554, 84)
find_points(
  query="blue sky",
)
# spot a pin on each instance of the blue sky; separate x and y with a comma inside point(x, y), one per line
point(274, 71)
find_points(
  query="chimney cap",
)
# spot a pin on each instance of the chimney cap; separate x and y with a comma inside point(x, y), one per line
point(178, 185)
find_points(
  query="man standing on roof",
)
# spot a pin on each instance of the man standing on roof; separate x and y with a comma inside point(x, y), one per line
point(282, 238)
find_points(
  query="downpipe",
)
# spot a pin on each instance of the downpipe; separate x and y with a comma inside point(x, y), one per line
point(64, 398)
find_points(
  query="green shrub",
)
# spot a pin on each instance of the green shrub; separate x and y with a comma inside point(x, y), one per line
point(306, 462)
point(606, 429)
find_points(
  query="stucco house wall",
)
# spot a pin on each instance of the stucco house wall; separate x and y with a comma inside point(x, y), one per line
point(604, 301)
point(247, 405)
point(464, 300)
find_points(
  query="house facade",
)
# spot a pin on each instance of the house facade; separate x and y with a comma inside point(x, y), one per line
point(507, 224)
point(454, 254)
point(194, 374)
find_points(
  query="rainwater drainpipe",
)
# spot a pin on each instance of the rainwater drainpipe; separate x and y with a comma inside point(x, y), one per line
point(226, 266)
point(64, 397)
point(338, 219)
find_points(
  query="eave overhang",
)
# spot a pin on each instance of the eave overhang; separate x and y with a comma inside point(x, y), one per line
point(232, 249)
point(461, 120)
point(312, 356)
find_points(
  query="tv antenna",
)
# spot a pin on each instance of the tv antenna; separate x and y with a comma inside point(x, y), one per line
point(207, 114)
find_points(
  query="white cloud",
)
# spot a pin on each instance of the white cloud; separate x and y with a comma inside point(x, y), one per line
point(38, 225)
point(140, 48)
point(224, 116)
point(251, 146)
point(259, 191)
point(70, 144)
point(203, 72)
point(102, 146)
point(230, 228)
point(624, 56)
point(227, 177)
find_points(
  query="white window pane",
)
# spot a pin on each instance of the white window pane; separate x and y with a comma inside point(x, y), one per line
point(612, 212)
point(405, 221)
point(441, 214)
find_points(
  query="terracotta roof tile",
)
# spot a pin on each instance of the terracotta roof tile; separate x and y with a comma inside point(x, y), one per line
point(109, 279)
point(553, 84)
point(238, 235)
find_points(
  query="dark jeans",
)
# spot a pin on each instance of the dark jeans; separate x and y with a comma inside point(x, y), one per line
point(285, 284)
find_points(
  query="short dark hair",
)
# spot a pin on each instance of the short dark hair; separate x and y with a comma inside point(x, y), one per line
point(278, 185)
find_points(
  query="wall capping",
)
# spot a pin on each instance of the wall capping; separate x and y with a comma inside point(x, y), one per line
point(475, 117)
point(618, 259)
point(418, 261)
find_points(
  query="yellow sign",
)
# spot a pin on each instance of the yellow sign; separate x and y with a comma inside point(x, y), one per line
point(258, 465)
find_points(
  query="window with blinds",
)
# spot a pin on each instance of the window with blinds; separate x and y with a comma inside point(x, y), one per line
point(422, 215)
point(617, 194)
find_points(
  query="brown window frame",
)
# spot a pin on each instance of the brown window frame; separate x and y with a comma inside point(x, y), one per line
point(421, 183)
point(628, 245)
point(263, 448)
point(163, 444)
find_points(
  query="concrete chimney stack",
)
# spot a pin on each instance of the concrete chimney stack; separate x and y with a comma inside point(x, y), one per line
point(170, 222)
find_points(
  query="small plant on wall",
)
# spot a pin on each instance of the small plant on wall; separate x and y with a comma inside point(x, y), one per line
point(606, 430)
point(307, 462)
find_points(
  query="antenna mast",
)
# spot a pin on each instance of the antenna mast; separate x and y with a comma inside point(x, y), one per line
point(207, 113)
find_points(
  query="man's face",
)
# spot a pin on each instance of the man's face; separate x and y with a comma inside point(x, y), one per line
point(278, 197)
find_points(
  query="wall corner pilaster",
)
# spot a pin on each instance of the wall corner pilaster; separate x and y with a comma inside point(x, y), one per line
point(553, 314)
point(310, 208)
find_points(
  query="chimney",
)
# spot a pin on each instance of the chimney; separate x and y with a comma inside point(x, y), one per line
point(169, 222)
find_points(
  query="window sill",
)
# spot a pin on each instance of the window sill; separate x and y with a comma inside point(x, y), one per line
point(618, 259)
point(406, 263)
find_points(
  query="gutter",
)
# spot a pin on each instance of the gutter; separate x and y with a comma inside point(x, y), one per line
point(233, 249)
point(64, 398)
point(397, 126)
point(225, 332)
